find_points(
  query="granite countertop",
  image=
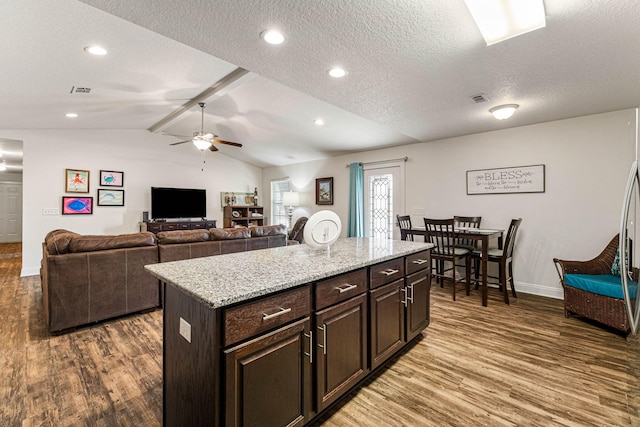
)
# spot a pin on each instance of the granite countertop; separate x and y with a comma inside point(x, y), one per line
point(222, 280)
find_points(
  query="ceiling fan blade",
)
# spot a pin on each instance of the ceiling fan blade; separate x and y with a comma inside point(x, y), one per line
point(235, 144)
point(180, 142)
point(212, 148)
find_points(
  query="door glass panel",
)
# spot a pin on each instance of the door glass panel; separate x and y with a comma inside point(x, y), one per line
point(381, 206)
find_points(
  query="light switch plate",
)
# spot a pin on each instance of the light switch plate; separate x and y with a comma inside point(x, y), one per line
point(185, 330)
point(50, 211)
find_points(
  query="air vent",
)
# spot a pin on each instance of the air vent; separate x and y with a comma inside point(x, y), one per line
point(80, 89)
point(479, 98)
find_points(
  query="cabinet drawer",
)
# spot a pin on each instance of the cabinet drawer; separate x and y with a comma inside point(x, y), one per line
point(168, 227)
point(417, 262)
point(386, 272)
point(247, 320)
point(154, 227)
point(340, 288)
point(196, 225)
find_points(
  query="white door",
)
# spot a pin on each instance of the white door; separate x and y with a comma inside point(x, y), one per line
point(10, 212)
point(383, 199)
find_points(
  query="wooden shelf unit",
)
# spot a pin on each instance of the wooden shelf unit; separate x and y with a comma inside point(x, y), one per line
point(247, 216)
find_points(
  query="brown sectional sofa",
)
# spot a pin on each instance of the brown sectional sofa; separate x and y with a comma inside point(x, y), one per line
point(87, 279)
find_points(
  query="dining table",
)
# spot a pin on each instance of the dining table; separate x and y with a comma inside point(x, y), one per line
point(479, 234)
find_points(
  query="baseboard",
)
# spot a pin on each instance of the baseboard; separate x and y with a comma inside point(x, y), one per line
point(32, 271)
point(544, 291)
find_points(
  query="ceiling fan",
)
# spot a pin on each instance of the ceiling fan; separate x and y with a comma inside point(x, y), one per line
point(205, 140)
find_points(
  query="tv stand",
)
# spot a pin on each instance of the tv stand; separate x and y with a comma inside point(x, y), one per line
point(163, 225)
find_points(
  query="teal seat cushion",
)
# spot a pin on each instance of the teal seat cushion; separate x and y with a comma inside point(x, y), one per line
point(601, 284)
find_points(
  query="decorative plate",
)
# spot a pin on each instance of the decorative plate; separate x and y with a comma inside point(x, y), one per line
point(235, 214)
point(322, 229)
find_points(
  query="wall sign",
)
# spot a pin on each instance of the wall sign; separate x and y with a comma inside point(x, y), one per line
point(518, 179)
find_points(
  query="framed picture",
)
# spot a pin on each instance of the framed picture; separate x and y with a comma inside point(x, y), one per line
point(110, 197)
point(111, 179)
point(76, 181)
point(324, 191)
point(77, 205)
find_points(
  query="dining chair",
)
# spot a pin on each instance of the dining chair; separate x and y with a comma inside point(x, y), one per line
point(441, 233)
point(504, 258)
point(468, 222)
point(404, 222)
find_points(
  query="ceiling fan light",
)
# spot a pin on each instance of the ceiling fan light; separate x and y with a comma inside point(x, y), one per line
point(96, 50)
point(503, 112)
point(201, 144)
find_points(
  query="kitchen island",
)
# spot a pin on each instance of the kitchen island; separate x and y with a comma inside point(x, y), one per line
point(275, 336)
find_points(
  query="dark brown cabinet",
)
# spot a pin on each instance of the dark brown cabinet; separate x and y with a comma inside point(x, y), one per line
point(156, 227)
point(268, 379)
point(387, 321)
point(283, 358)
point(341, 349)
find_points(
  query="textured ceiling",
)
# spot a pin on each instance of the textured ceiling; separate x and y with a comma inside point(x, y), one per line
point(413, 66)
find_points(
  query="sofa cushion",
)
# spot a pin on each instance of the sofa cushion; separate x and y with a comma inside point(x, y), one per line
point(57, 241)
point(267, 230)
point(101, 243)
point(229, 233)
point(182, 236)
point(601, 284)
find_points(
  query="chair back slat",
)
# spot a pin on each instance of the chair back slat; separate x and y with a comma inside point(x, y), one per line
point(404, 222)
point(440, 232)
point(510, 240)
point(468, 222)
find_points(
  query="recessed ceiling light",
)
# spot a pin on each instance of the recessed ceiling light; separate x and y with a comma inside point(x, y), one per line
point(337, 72)
point(319, 122)
point(503, 112)
point(95, 50)
point(71, 115)
point(272, 36)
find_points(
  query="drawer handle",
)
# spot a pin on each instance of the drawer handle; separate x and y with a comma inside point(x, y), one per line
point(389, 271)
point(419, 261)
point(276, 314)
point(345, 288)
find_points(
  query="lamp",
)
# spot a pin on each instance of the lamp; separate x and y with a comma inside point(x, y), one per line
point(499, 20)
point(503, 112)
point(290, 199)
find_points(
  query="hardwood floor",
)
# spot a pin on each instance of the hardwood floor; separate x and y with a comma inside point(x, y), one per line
point(517, 365)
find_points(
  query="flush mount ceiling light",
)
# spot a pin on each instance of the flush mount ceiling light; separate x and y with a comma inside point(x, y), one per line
point(503, 112)
point(499, 20)
point(337, 72)
point(272, 36)
point(95, 50)
point(71, 115)
point(319, 122)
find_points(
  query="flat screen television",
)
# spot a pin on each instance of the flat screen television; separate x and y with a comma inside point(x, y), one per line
point(168, 203)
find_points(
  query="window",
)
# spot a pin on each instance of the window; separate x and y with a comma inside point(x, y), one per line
point(278, 212)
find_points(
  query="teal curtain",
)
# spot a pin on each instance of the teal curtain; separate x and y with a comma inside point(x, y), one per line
point(356, 201)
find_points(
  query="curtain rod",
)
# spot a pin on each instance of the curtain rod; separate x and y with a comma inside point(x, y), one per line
point(405, 158)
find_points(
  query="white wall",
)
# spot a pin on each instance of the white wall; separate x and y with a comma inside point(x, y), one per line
point(586, 160)
point(146, 160)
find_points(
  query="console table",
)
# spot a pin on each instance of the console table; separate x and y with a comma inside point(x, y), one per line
point(275, 337)
point(156, 227)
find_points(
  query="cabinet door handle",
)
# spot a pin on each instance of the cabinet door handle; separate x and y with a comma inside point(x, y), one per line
point(404, 299)
point(389, 271)
point(420, 261)
point(346, 287)
point(282, 311)
point(310, 354)
point(323, 328)
point(410, 298)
